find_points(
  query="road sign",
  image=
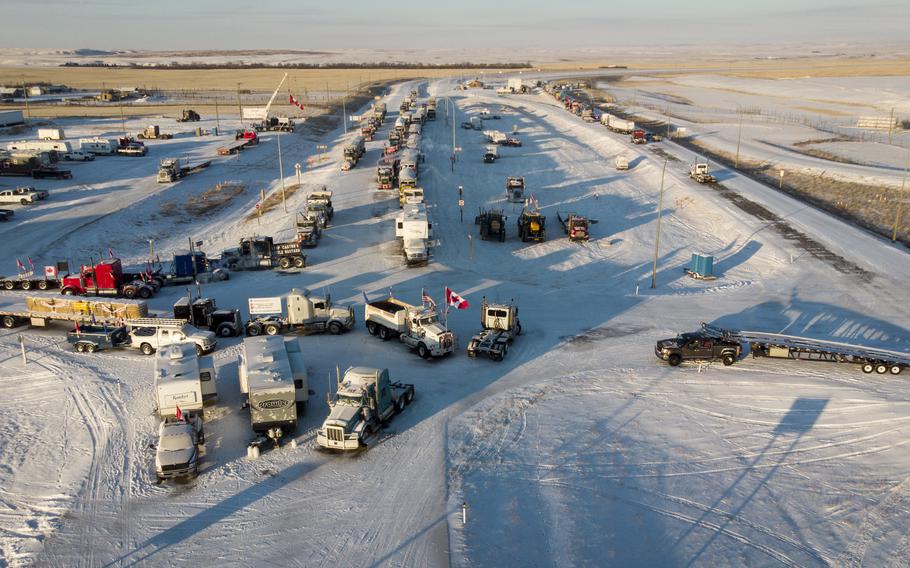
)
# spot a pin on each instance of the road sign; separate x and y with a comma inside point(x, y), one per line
point(461, 202)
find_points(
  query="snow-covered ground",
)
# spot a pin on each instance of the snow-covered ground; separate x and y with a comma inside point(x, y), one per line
point(580, 449)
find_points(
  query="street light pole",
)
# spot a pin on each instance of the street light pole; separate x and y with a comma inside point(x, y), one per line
point(281, 173)
point(660, 203)
point(738, 140)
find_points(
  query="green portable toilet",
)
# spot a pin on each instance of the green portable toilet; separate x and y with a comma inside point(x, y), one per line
point(702, 265)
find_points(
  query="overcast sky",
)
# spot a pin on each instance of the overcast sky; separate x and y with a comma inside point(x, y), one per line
point(307, 24)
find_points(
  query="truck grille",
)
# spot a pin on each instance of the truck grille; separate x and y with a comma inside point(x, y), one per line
point(173, 467)
point(334, 434)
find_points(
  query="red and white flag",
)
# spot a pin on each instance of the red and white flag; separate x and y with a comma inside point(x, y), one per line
point(456, 301)
point(179, 414)
point(19, 265)
point(30, 263)
point(426, 299)
point(294, 102)
point(110, 252)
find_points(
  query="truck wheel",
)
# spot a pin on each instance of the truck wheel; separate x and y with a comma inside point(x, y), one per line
point(372, 328)
point(253, 330)
point(145, 292)
point(23, 201)
point(90, 347)
point(497, 355)
point(42, 284)
point(9, 284)
point(26, 285)
point(422, 351)
point(517, 329)
point(68, 292)
point(409, 397)
point(674, 360)
point(198, 350)
point(896, 369)
point(146, 349)
point(129, 292)
point(225, 330)
point(284, 262)
point(272, 329)
point(335, 328)
point(384, 333)
point(881, 368)
point(868, 367)
point(729, 359)
point(80, 347)
point(299, 262)
point(9, 321)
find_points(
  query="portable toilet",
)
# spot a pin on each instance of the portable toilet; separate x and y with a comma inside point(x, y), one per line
point(702, 265)
point(214, 132)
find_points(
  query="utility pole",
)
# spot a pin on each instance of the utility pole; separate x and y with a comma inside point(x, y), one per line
point(660, 203)
point(123, 120)
point(239, 107)
point(900, 199)
point(28, 113)
point(281, 173)
point(217, 117)
point(891, 126)
point(738, 140)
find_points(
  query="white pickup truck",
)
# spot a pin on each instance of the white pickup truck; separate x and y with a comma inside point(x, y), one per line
point(150, 334)
point(178, 451)
point(22, 195)
point(418, 328)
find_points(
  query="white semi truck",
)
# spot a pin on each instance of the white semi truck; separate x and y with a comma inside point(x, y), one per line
point(418, 328)
point(366, 399)
point(500, 327)
point(273, 375)
point(298, 310)
point(415, 231)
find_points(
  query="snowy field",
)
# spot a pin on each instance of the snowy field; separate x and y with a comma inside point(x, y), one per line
point(580, 449)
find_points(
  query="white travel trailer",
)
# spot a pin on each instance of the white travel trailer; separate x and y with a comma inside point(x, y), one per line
point(274, 378)
point(183, 379)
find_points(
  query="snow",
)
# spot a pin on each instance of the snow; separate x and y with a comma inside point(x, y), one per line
point(581, 448)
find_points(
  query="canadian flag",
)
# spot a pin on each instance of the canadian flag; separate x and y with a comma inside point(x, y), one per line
point(179, 414)
point(456, 301)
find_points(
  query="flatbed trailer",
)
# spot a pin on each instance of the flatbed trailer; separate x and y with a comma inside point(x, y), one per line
point(233, 147)
point(17, 283)
point(14, 313)
point(763, 344)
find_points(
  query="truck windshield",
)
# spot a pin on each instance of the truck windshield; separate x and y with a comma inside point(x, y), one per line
point(429, 320)
point(175, 442)
point(349, 400)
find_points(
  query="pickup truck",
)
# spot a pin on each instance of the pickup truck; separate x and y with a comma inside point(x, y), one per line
point(79, 156)
point(177, 453)
point(22, 195)
point(697, 347)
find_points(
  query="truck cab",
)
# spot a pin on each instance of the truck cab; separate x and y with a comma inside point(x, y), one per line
point(366, 398)
point(410, 196)
point(203, 313)
point(104, 279)
point(697, 347)
point(150, 334)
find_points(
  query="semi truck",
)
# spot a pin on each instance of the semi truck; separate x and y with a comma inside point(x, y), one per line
point(366, 398)
point(257, 253)
point(701, 173)
point(417, 327)
point(298, 310)
point(170, 169)
point(638, 136)
point(274, 379)
point(203, 313)
point(415, 230)
point(500, 328)
point(104, 278)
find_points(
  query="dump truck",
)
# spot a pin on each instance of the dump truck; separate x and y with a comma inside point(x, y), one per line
point(273, 376)
point(417, 327)
point(153, 132)
point(492, 224)
point(515, 189)
point(700, 173)
point(500, 328)
point(366, 398)
point(298, 310)
point(495, 136)
point(576, 227)
point(532, 225)
point(203, 313)
point(189, 115)
point(170, 169)
point(104, 278)
point(258, 253)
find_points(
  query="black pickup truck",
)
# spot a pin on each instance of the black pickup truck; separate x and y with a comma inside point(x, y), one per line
point(697, 347)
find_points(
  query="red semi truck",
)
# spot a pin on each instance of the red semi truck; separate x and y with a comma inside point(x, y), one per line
point(104, 279)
